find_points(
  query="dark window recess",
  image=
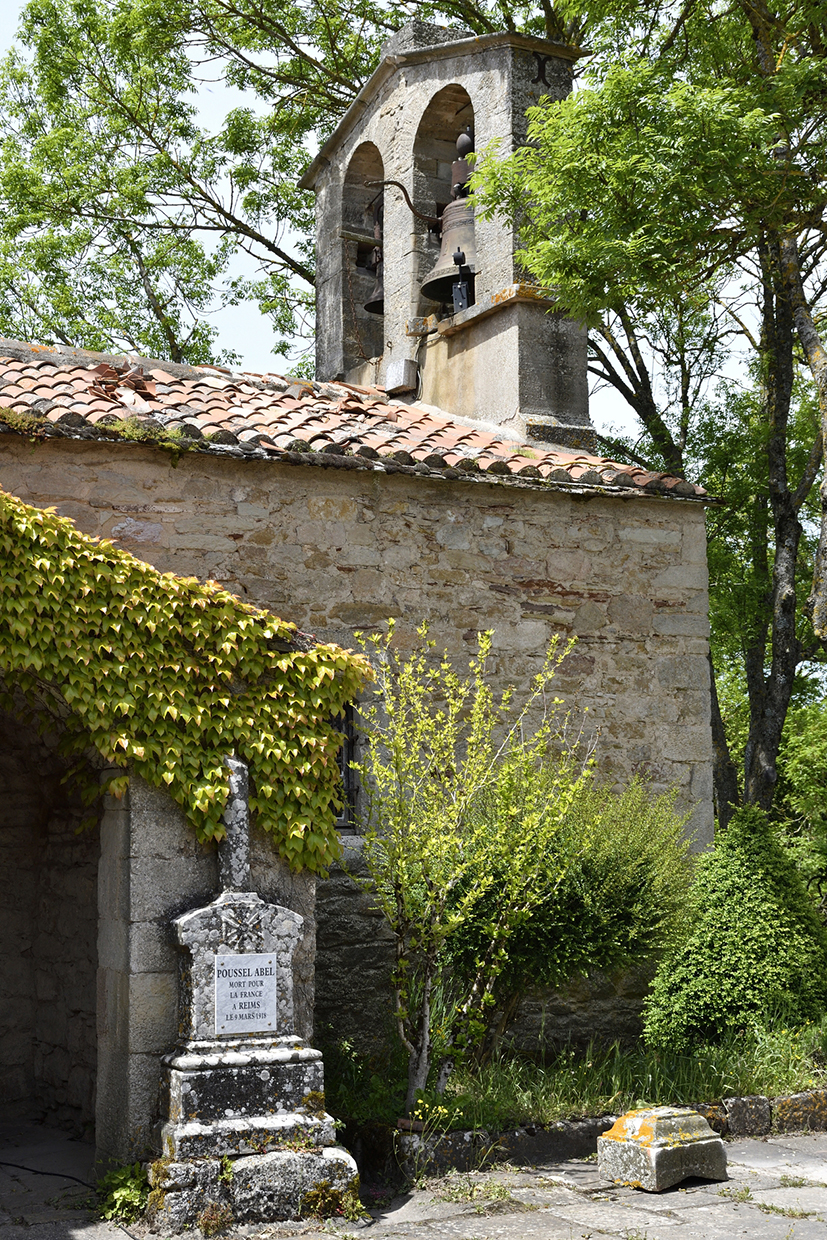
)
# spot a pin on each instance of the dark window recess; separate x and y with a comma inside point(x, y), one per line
point(344, 724)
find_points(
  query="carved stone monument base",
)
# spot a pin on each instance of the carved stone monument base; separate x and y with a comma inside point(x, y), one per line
point(287, 1184)
point(657, 1147)
point(243, 1097)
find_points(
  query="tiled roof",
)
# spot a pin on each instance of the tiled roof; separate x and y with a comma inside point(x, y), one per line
point(86, 395)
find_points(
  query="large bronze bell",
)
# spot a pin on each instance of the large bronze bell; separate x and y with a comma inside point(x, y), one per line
point(457, 234)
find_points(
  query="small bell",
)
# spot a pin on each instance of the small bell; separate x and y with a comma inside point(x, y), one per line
point(375, 304)
point(460, 168)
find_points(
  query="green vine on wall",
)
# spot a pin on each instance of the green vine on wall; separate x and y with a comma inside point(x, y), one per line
point(169, 674)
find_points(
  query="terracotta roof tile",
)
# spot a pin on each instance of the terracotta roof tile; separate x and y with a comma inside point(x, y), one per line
point(243, 413)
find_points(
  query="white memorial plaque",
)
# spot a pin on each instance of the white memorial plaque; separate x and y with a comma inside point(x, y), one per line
point(245, 994)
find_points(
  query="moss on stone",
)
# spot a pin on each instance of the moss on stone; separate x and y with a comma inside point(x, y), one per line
point(214, 1218)
point(314, 1103)
point(324, 1201)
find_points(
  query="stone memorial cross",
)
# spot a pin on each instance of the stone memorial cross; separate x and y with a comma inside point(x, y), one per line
point(240, 1081)
point(240, 1073)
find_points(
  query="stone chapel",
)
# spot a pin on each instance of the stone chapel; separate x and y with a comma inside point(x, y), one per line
point(441, 467)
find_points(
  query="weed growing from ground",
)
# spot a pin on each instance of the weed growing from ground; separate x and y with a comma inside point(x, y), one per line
point(784, 1211)
point(460, 1188)
point(123, 1193)
point(736, 1194)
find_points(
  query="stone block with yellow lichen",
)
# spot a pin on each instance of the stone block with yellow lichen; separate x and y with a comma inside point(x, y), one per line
point(657, 1147)
point(801, 1112)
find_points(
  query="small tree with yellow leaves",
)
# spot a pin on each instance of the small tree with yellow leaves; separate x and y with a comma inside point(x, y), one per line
point(463, 791)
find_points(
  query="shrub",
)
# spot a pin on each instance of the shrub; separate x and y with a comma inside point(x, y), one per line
point(753, 947)
point(801, 795)
point(617, 884)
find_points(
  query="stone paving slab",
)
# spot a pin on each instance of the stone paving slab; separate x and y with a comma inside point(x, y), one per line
point(804, 1156)
point(571, 1201)
point(811, 1200)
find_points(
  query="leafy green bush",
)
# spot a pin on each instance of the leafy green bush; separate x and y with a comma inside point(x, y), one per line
point(753, 948)
point(362, 1088)
point(801, 796)
point(617, 881)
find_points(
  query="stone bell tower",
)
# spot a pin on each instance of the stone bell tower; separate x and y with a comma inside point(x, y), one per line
point(507, 357)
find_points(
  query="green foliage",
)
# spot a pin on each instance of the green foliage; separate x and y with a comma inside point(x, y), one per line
point(364, 1088)
point(753, 948)
point(674, 204)
point(595, 1079)
point(680, 154)
point(628, 187)
point(620, 894)
point(123, 1193)
point(465, 797)
point(599, 1080)
point(801, 803)
point(123, 210)
point(170, 675)
point(729, 453)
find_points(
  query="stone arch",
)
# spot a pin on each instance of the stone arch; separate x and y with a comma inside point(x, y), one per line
point(448, 114)
point(363, 331)
point(49, 927)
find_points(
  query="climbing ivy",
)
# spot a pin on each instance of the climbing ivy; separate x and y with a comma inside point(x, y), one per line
point(168, 675)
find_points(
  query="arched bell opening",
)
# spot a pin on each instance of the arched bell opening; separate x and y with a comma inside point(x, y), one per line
point(362, 265)
point(448, 117)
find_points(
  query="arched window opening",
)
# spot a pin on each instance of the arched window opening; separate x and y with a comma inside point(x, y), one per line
point(449, 114)
point(362, 248)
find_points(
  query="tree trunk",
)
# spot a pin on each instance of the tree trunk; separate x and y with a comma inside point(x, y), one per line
point(816, 355)
point(724, 774)
point(770, 692)
point(419, 1065)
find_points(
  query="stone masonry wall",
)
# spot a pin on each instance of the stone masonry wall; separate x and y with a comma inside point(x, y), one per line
point(336, 551)
point(65, 954)
point(48, 921)
point(355, 956)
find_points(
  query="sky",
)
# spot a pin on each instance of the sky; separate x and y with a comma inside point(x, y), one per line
point(242, 328)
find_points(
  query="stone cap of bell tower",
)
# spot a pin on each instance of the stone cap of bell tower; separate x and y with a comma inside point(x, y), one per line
point(507, 357)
